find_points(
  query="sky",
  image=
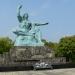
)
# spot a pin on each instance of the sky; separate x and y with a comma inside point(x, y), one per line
point(60, 14)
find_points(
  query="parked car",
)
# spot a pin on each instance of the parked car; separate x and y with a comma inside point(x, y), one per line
point(42, 65)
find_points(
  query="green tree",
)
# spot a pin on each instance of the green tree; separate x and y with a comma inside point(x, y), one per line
point(66, 48)
point(52, 45)
point(5, 44)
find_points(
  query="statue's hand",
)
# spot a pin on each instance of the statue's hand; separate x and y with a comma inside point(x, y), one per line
point(46, 23)
point(20, 7)
point(36, 24)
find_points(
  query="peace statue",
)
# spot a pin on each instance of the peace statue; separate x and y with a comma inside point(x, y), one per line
point(28, 33)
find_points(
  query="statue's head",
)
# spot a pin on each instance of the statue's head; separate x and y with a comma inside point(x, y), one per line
point(25, 16)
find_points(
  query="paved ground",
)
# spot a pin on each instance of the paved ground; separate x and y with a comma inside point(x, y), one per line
point(42, 72)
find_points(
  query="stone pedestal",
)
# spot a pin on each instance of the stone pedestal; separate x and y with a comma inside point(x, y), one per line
point(21, 53)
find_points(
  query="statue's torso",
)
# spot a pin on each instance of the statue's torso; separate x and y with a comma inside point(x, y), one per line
point(25, 26)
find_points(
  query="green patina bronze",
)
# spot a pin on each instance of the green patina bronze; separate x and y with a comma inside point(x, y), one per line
point(28, 33)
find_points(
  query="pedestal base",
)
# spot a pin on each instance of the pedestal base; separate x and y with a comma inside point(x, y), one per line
point(29, 52)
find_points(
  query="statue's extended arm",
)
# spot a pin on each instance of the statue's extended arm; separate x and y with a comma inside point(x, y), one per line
point(36, 24)
point(18, 14)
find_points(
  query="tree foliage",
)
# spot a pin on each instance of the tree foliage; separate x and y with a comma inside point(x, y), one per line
point(5, 44)
point(49, 44)
point(52, 45)
point(66, 47)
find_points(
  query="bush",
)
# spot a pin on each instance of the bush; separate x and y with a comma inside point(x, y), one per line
point(5, 44)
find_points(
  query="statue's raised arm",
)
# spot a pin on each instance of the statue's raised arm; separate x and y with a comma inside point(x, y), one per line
point(18, 13)
point(36, 24)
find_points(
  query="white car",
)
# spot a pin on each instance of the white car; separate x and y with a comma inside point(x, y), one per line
point(42, 65)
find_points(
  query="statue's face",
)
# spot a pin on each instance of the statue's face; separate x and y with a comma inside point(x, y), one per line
point(25, 16)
